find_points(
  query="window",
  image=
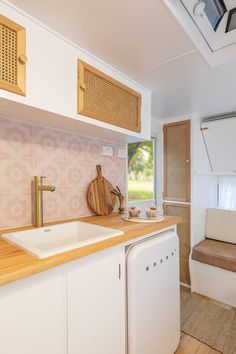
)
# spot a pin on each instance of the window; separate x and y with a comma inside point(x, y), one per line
point(231, 24)
point(210, 16)
point(227, 193)
point(141, 170)
point(215, 10)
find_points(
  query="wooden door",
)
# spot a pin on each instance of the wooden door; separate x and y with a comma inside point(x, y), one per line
point(183, 211)
point(96, 304)
point(177, 161)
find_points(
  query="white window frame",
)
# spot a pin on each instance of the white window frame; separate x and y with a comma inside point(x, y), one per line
point(147, 202)
point(215, 39)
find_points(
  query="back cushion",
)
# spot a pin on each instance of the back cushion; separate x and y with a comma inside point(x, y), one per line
point(221, 225)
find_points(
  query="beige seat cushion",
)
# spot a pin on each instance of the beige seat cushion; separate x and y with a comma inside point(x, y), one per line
point(221, 225)
point(216, 253)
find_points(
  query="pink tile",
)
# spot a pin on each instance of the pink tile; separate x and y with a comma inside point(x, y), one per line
point(16, 175)
point(93, 151)
point(53, 170)
point(74, 147)
point(15, 210)
point(68, 160)
point(75, 203)
point(48, 144)
point(16, 138)
point(116, 175)
point(78, 175)
point(53, 205)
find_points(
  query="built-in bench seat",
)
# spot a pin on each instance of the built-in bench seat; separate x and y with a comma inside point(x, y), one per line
point(213, 260)
point(217, 253)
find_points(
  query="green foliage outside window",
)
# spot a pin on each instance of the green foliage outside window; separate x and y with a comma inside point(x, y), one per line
point(141, 170)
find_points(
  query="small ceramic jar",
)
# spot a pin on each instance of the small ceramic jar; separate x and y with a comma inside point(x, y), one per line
point(152, 212)
point(134, 212)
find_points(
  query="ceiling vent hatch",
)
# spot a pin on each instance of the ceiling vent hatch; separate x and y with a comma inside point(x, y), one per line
point(12, 56)
point(103, 98)
point(215, 19)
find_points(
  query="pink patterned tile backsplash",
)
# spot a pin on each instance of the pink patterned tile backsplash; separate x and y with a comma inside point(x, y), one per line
point(68, 160)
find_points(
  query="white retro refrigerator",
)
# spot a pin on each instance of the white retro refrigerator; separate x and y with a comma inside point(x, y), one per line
point(153, 319)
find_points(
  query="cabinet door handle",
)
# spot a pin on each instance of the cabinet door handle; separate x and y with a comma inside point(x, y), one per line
point(82, 85)
point(23, 59)
point(119, 271)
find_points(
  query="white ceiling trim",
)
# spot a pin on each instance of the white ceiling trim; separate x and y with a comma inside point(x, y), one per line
point(166, 62)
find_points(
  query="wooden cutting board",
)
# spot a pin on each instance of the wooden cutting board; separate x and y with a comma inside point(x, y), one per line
point(100, 198)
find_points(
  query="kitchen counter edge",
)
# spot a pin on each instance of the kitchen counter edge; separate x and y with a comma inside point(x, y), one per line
point(16, 264)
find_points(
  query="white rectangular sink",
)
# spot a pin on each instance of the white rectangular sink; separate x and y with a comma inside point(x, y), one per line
point(50, 240)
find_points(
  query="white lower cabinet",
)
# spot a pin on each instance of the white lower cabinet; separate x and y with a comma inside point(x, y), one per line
point(78, 308)
point(96, 304)
point(33, 315)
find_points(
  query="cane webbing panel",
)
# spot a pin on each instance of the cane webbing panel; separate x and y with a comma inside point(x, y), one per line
point(12, 56)
point(182, 211)
point(103, 98)
point(8, 54)
point(176, 160)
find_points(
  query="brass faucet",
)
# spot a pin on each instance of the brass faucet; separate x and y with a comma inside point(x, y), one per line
point(39, 187)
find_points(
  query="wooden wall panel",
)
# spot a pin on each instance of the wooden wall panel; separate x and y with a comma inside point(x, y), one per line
point(183, 211)
point(177, 161)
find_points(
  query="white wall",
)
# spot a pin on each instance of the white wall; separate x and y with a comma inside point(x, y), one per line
point(204, 184)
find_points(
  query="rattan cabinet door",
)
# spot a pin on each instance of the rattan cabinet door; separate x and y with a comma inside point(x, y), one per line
point(177, 161)
point(183, 230)
point(103, 98)
point(12, 56)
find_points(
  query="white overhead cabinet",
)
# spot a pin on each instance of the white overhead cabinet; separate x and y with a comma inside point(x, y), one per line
point(33, 315)
point(51, 87)
point(220, 142)
point(96, 304)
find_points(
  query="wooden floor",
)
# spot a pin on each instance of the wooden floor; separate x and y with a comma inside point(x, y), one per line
point(190, 345)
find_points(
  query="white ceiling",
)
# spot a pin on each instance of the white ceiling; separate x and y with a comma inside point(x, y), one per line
point(142, 39)
point(189, 85)
point(127, 34)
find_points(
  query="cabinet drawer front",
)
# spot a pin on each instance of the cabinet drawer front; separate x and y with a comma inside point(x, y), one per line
point(103, 98)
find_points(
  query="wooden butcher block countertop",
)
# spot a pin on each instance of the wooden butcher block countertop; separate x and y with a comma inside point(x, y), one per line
point(17, 264)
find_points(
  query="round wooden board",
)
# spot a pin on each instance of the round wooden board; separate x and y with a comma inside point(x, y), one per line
point(99, 196)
